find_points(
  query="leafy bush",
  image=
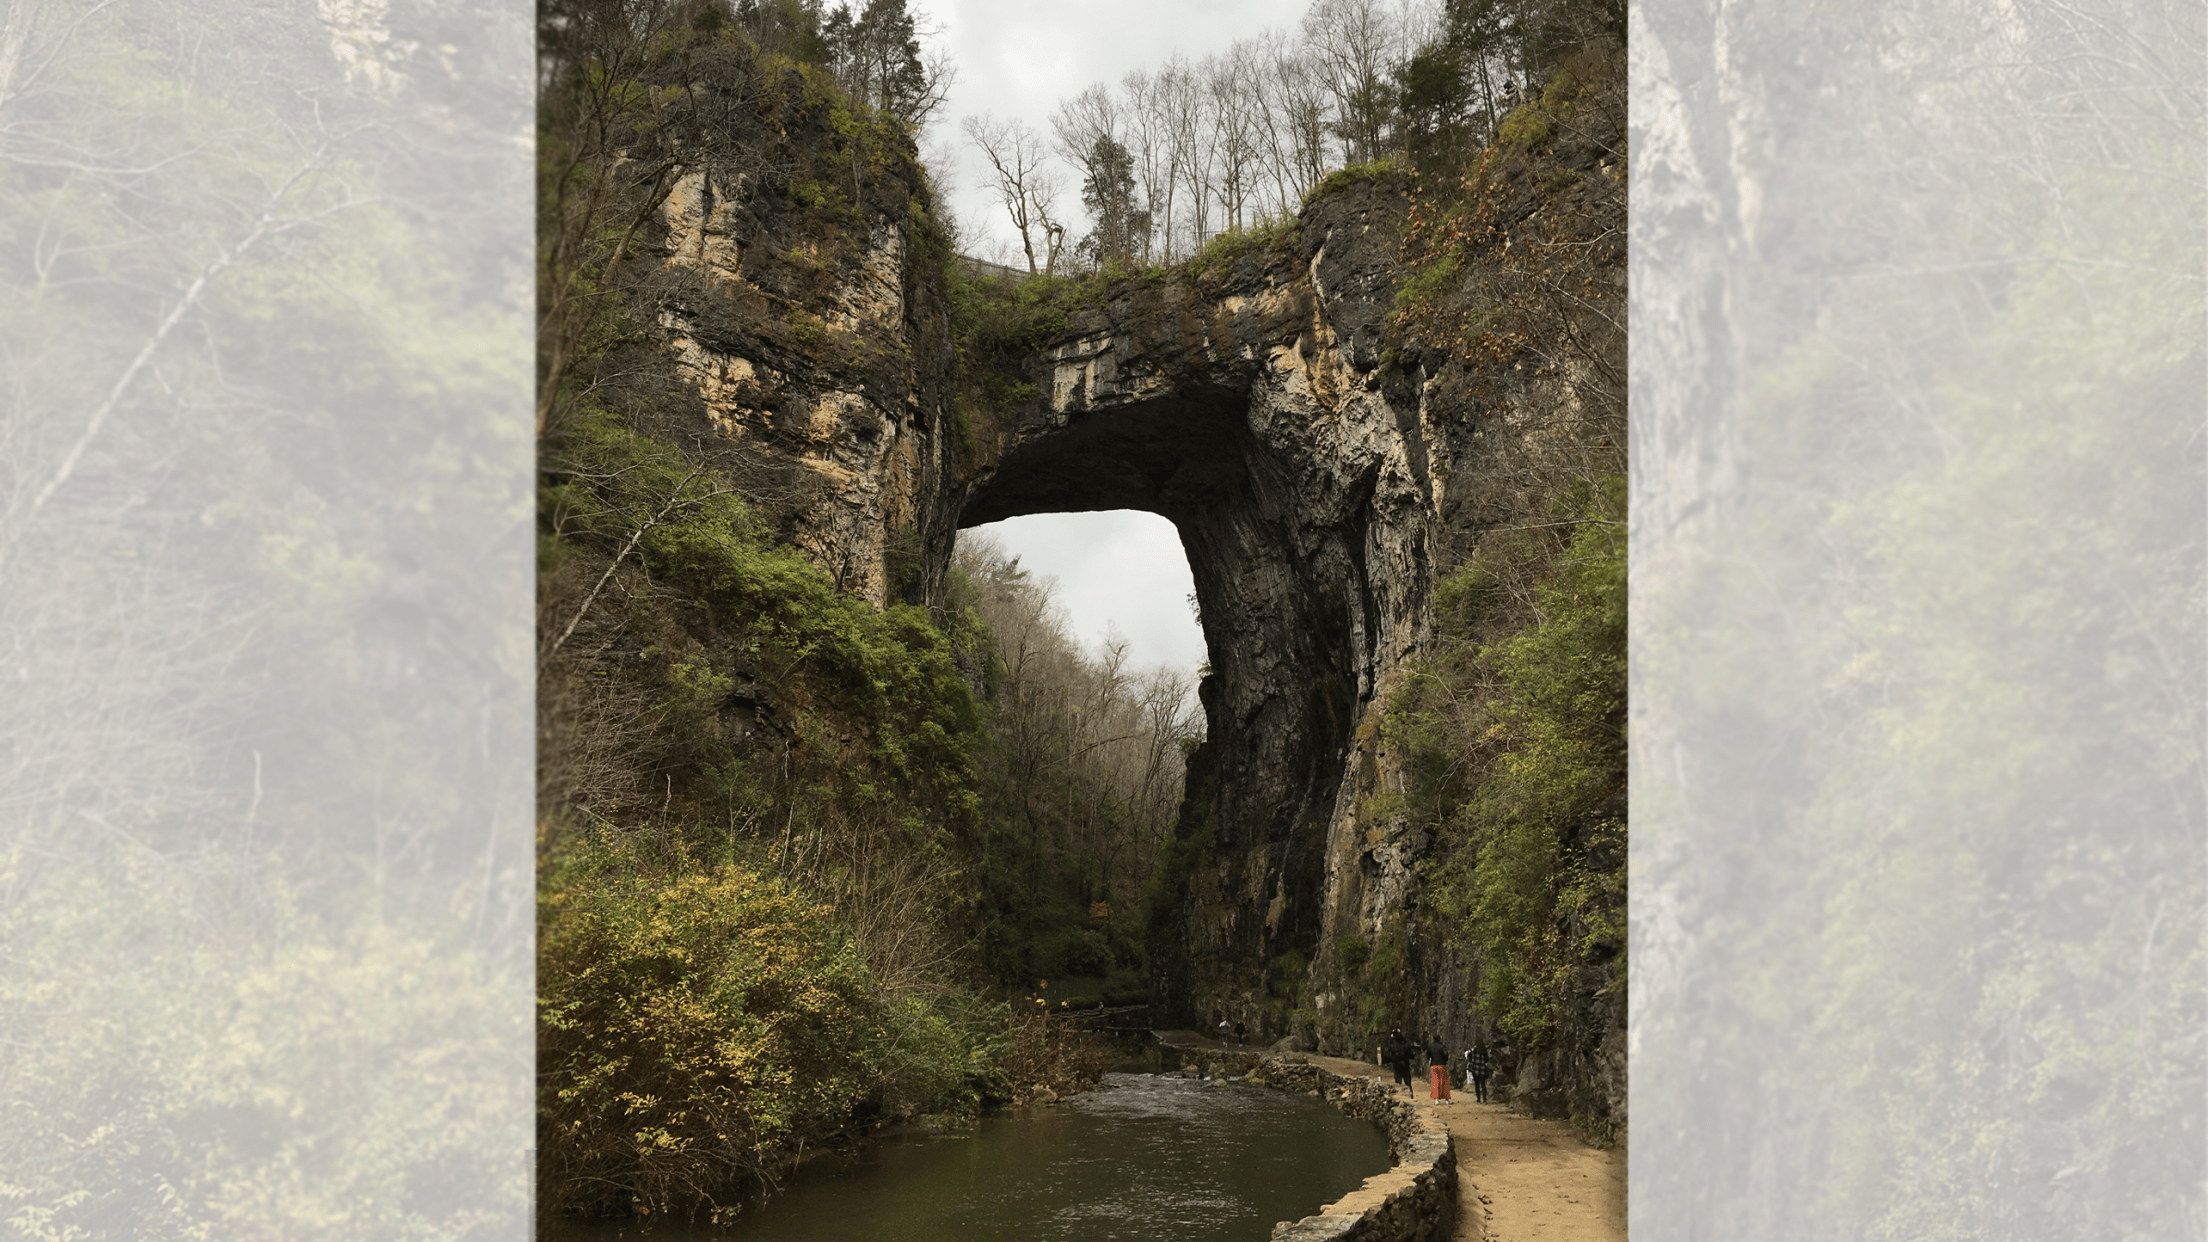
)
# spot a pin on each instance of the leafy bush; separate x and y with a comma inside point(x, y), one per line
point(697, 1021)
point(692, 1021)
point(1352, 950)
point(1528, 127)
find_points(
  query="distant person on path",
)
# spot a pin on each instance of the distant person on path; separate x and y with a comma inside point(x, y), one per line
point(1222, 1029)
point(1398, 1051)
point(1241, 1032)
point(1481, 1069)
point(1438, 1057)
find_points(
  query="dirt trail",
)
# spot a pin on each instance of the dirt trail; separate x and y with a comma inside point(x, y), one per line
point(1520, 1179)
point(1524, 1180)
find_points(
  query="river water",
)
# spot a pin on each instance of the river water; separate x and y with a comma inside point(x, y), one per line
point(1154, 1158)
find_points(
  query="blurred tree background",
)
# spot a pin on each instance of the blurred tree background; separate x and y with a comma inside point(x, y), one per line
point(263, 847)
point(1920, 775)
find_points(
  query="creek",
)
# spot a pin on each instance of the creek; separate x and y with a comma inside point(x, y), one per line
point(1148, 1157)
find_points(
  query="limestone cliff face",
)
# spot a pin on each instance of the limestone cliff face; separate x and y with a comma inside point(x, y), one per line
point(1318, 485)
point(812, 355)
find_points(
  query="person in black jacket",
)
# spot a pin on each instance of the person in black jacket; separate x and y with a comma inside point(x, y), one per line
point(1397, 1051)
point(1438, 1057)
point(1481, 1068)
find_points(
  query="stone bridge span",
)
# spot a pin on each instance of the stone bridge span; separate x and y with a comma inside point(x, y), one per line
point(1251, 410)
point(1248, 405)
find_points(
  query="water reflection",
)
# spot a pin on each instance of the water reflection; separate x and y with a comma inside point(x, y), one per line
point(1148, 1159)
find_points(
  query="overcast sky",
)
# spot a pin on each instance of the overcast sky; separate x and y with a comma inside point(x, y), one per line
point(1121, 570)
point(1018, 58)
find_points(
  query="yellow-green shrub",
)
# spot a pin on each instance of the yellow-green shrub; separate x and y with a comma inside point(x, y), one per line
point(691, 1022)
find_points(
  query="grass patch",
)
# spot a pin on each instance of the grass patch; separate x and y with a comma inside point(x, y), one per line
point(1220, 252)
point(1386, 168)
point(1528, 127)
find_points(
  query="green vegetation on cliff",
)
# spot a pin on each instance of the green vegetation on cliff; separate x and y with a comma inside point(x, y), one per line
point(734, 751)
point(1519, 747)
point(797, 851)
point(1511, 291)
point(758, 793)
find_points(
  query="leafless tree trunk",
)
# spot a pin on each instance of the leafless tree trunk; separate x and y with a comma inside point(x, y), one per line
point(1187, 112)
point(1152, 147)
point(1233, 87)
point(1353, 43)
point(1080, 121)
point(1024, 185)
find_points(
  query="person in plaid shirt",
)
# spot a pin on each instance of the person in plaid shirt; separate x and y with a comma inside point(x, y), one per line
point(1480, 1068)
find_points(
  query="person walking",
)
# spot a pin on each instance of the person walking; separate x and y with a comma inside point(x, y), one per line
point(1398, 1052)
point(1481, 1068)
point(1438, 1057)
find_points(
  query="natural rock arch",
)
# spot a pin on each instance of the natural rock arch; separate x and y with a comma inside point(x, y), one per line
point(804, 348)
point(1249, 405)
point(1252, 412)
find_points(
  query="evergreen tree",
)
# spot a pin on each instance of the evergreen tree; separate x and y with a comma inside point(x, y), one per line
point(1432, 98)
point(1122, 227)
point(878, 58)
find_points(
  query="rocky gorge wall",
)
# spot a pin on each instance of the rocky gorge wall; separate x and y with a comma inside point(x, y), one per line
point(1320, 481)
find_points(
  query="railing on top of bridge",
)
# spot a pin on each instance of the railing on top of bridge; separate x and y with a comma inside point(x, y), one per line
point(982, 269)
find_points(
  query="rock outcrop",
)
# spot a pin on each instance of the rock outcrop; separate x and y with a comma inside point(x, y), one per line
point(1318, 480)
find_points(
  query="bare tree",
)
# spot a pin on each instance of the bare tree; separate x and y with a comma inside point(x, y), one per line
point(1148, 141)
point(1295, 97)
point(1353, 44)
point(1078, 122)
point(1232, 82)
point(938, 74)
point(1185, 108)
point(1022, 182)
point(1417, 23)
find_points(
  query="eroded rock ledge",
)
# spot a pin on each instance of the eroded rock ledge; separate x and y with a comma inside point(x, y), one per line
point(1251, 407)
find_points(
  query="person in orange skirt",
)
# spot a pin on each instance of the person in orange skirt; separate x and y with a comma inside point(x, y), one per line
point(1438, 1057)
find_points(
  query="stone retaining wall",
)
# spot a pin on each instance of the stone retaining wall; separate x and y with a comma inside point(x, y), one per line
point(1414, 1201)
